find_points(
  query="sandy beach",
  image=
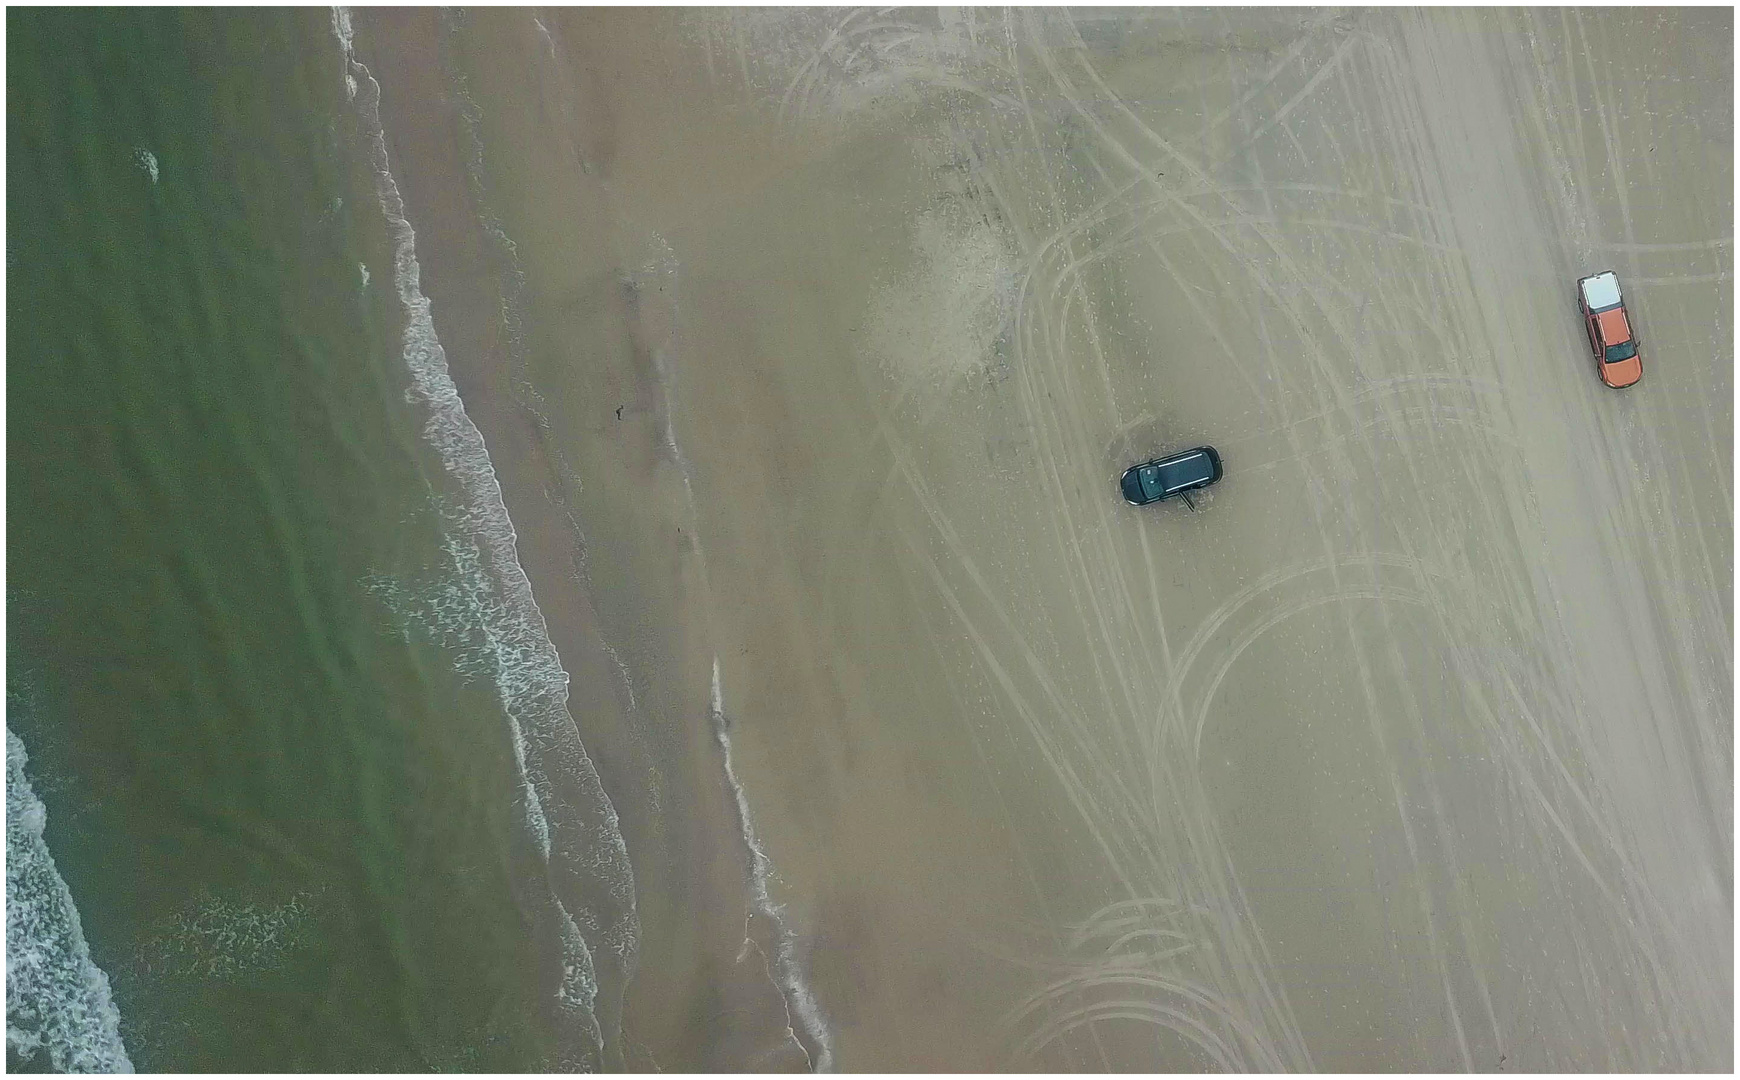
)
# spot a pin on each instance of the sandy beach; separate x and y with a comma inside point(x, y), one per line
point(808, 347)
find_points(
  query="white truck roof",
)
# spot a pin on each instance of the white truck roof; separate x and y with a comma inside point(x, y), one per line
point(1601, 291)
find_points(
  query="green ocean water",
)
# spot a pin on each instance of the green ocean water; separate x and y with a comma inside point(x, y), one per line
point(280, 795)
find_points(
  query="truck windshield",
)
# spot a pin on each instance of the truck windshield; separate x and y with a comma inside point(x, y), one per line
point(1616, 353)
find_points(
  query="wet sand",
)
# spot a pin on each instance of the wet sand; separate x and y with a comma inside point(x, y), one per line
point(1411, 750)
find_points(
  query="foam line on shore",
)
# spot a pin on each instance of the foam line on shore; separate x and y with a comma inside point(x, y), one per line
point(801, 1006)
point(583, 842)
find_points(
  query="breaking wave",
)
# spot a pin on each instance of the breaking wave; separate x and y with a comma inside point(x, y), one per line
point(58, 1001)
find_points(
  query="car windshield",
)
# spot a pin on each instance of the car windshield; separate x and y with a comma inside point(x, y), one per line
point(1616, 353)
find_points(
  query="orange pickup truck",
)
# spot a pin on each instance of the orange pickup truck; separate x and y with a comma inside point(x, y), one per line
point(1609, 329)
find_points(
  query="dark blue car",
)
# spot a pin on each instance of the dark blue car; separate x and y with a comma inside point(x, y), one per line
point(1178, 475)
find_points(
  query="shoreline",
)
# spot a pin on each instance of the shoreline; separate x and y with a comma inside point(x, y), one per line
point(666, 826)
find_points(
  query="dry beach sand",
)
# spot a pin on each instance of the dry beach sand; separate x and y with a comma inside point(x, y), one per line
point(808, 372)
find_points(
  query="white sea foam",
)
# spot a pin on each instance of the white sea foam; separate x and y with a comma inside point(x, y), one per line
point(785, 969)
point(788, 971)
point(567, 809)
point(544, 35)
point(147, 161)
point(57, 1000)
point(228, 938)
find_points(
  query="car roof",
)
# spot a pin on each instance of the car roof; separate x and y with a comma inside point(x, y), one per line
point(1182, 470)
point(1182, 455)
point(1601, 291)
point(1615, 327)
